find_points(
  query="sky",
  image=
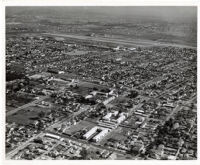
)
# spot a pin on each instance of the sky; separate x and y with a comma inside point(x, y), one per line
point(167, 13)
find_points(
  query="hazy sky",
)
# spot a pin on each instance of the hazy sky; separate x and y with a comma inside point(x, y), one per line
point(167, 13)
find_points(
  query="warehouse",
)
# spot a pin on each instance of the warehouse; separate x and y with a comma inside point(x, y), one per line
point(52, 136)
point(99, 136)
point(108, 116)
point(90, 133)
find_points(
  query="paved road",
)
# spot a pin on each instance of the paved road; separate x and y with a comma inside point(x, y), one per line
point(85, 108)
point(25, 106)
point(16, 150)
point(90, 144)
point(20, 147)
point(48, 150)
point(177, 108)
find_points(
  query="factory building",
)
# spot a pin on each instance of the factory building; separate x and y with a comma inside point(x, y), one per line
point(107, 124)
point(107, 117)
point(120, 117)
point(110, 121)
point(97, 132)
point(105, 102)
point(99, 136)
point(90, 133)
point(115, 113)
point(50, 135)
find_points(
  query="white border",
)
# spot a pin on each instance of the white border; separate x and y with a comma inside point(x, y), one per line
point(100, 2)
point(80, 3)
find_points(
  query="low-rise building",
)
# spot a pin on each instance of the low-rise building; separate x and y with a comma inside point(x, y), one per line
point(99, 136)
point(90, 133)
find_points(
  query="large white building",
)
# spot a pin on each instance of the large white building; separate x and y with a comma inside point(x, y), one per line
point(94, 130)
point(105, 102)
point(108, 116)
point(90, 133)
point(107, 124)
point(99, 136)
point(121, 118)
point(50, 135)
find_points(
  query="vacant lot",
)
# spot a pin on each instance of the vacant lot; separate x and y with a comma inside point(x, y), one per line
point(27, 116)
point(14, 100)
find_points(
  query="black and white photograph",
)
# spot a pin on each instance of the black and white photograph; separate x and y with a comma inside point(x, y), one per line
point(101, 83)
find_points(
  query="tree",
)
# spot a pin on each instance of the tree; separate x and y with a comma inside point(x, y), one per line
point(41, 114)
point(139, 49)
point(84, 153)
point(95, 89)
point(133, 94)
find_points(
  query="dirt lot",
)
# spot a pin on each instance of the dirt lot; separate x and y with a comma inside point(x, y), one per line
point(14, 101)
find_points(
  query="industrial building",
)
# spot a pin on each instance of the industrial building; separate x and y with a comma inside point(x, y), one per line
point(99, 136)
point(105, 102)
point(97, 132)
point(50, 135)
point(90, 133)
point(120, 117)
point(107, 117)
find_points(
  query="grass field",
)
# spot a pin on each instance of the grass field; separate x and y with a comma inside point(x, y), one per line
point(26, 116)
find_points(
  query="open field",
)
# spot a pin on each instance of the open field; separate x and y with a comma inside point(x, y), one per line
point(27, 115)
point(133, 42)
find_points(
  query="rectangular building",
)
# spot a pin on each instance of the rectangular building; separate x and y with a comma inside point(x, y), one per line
point(99, 136)
point(90, 133)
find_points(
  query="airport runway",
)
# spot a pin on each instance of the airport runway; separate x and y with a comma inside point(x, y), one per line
point(128, 42)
